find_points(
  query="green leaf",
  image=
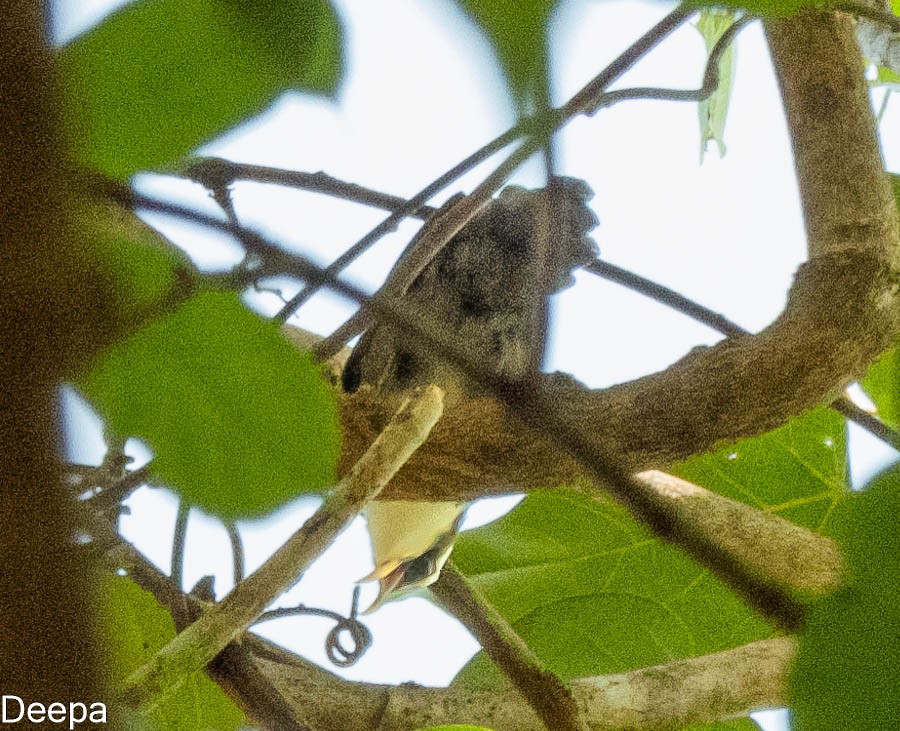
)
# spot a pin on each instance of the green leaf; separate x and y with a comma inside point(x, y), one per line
point(141, 269)
point(592, 592)
point(455, 727)
point(882, 384)
point(160, 77)
point(518, 32)
point(713, 111)
point(848, 666)
point(135, 627)
point(886, 76)
point(769, 8)
point(239, 420)
point(798, 471)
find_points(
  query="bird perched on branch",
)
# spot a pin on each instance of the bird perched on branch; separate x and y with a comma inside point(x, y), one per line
point(485, 288)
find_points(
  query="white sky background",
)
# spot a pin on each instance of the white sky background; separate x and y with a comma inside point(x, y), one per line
point(420, 93)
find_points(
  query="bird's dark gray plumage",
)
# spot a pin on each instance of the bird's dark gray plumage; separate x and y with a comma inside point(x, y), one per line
point(480, 286)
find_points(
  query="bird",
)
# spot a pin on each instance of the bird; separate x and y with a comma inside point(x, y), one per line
point(481, 287)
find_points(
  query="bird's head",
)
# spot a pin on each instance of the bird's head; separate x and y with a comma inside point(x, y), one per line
point(411, 542)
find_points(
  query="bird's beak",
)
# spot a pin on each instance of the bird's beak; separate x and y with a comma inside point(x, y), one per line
point(389, 575)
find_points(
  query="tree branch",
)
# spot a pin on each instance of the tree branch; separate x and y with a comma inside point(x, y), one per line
point(547, 695)
point(282, 691)
point(847, 201)
point(716, 321)
point(234, 669)
point(215, 174)
point(695, 690)
point(202, 641)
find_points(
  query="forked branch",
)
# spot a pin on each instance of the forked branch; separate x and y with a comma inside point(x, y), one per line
point(224, 622)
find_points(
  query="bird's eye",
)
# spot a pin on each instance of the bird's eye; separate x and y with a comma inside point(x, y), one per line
point(419, 568)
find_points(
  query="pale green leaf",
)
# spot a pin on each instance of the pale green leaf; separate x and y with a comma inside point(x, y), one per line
point(593, 593)
point(518, 32)
point(713, 111)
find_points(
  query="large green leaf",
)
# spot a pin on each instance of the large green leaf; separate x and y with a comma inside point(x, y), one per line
point(135, 626)
point(798, 471)
point(593, 593)
point(239, 420)
point(159, 77)
point(518, 32)
point(714, 110)
point(848, 667)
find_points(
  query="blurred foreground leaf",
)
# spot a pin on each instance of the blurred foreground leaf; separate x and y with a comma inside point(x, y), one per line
point(848, 667)
point(157, 78)
point(239, 420)
point(518, 32)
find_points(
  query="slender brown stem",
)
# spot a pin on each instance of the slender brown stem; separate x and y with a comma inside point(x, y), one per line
point(545, 692)
point(179, 539)
point(214, 172)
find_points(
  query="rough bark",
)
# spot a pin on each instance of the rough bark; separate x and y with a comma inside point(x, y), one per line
point(50, 307)
point(694, 690)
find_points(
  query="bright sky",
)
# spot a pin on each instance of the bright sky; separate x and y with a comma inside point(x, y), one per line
point(420, 93)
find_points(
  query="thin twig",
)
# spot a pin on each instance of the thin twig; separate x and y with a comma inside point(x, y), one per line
point(549, 697)
point(337, 653)
point(539, 282)
point(884, 105)
point(540, 126)
point(237, 551)
point(722, 324)
point(706, 89)
point(226, 621)
point(666, 296)
point(114, 494)
point(179, 539)
point(214, 172)
point(867, 421)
